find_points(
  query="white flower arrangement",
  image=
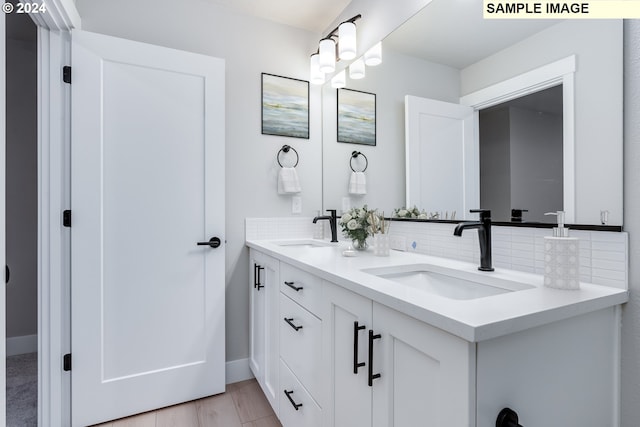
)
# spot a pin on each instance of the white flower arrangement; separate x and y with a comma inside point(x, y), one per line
point(359, 223)
point(414, 213)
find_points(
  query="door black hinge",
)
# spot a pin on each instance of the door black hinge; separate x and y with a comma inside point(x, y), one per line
point(66, 218)
point(66, 74)
point(66, 362)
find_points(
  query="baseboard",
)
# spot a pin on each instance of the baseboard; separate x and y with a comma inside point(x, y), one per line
point(22, 345)
point(238, 370)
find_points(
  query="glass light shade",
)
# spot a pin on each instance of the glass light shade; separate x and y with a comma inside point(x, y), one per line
point(347, 41)
point(356, 69)
point(315, 75)
point(373, 56)
point(339, 80)
point(327, 55)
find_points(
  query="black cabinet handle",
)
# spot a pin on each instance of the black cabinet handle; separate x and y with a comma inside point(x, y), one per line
point(356, 327)
point(214, 242)
point(293, 286)
point(257, 284)
point(289, 320)
point(372, 376)
point(295, 405)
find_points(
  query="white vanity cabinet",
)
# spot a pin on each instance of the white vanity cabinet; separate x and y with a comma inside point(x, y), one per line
point(264, 272)
point(386, 369)
point(331, 347)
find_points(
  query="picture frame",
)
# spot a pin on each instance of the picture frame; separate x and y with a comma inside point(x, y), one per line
point(356, 117)
point(285, 106)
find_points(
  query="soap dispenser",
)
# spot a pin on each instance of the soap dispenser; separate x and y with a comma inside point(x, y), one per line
point(561, 257)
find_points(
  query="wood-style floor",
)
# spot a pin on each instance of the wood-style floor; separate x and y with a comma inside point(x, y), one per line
point(243, 405)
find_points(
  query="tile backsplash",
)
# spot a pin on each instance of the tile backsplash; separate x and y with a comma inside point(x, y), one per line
point(603, 255)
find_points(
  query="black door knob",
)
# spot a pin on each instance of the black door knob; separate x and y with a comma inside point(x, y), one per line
point(214, 242)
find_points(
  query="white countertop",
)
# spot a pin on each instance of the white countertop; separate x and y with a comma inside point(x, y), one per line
point(474, 319)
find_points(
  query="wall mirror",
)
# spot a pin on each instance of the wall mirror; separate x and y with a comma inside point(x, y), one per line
point(429, 58)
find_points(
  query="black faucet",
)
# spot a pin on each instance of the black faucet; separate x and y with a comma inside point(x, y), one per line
point(333, 223)
point(484, 236)
point(516, 214)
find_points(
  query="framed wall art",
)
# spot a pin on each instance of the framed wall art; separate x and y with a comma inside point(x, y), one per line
point(356, 117)
point(285, 106)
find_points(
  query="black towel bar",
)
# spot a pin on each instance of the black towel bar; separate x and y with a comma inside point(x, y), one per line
point(285, 149)
point(354, 155)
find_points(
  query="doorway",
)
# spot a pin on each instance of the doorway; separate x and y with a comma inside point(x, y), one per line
point(521, 156)
point(21, 204)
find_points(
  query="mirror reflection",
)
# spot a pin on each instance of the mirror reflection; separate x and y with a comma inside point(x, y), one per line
point(429, 58)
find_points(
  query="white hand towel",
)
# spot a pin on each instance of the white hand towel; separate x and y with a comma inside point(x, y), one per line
point(358, 183)
point(288, 181)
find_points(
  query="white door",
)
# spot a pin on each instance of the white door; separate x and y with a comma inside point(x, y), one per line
point(147, 168)
point(442, 156)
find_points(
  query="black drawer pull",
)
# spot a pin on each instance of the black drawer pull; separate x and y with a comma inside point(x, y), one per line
point(356, 327)
point(289, 320)
point(295, 405)
point(372, 376)
point(293, 286)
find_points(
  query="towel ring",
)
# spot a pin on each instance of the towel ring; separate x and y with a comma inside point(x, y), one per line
point(286, 149)
point(354, 155)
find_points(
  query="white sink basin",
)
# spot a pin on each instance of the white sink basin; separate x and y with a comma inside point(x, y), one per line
point(303, 243)
point(448, 283)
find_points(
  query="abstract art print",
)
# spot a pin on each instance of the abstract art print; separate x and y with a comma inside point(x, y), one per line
point(356, 117)
point(285, 106)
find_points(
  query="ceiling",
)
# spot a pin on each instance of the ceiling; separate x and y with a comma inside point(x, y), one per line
point(310, 15)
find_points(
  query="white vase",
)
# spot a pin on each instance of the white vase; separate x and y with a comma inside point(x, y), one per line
point(381, 244)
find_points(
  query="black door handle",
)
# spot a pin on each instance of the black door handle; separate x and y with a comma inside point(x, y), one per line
point(356, 327)
point(7, 273)
point(257, 284)
point(372, 376)
point(214, 242)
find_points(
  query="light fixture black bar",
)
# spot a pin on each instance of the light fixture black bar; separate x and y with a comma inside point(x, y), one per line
point(333, 32)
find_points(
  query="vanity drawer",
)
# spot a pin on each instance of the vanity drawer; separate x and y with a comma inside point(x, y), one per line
point(302, 287)
point(301, 344)
point(297, 407)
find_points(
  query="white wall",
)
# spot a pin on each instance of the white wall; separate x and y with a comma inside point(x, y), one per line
point(598, 99)
point(631, 311)
point(398, 75)
point(250, 46)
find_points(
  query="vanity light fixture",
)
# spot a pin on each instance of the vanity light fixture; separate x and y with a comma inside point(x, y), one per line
point(373, 56)
point(347, 45)
point(356, 69)
point(316, 76)
point(339, 44)
point(327, 49)
point(339, 80)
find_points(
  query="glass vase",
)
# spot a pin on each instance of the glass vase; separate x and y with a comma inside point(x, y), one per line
point(359, 245)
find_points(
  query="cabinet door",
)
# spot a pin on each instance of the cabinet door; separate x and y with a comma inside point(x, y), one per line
point(264, 334)
point(427, 376)
point(346, 318)
point(257, 314)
